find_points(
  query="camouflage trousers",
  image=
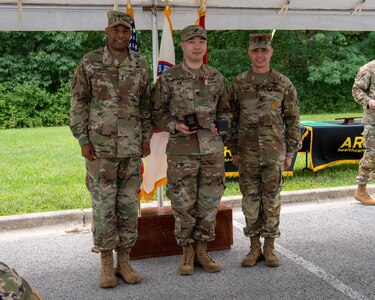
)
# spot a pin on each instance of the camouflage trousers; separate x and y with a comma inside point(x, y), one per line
point(260, 185)
point(367, 163)
point(114, 186)
point(195, 186)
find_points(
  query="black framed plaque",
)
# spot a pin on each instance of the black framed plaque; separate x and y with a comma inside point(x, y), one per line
point(191, 121)
point(221, 125)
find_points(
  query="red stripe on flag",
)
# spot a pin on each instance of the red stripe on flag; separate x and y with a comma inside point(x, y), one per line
point(202, 22)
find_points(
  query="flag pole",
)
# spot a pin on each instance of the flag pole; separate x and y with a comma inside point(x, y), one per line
point(155, 56)
point(155, 42)
point(160, 188)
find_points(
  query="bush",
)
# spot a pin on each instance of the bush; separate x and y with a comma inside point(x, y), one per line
point(28, 105)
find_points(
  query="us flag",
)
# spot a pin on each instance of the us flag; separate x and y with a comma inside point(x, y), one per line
point(133, 44)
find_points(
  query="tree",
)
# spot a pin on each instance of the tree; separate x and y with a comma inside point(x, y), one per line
point(321, 64)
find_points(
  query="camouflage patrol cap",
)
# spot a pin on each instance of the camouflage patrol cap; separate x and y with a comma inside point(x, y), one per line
point(259, 40)
point(192, 31)
point(118, 17)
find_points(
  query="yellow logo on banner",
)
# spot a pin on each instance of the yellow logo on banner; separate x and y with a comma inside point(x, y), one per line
point(352, 146)
point(227, 154)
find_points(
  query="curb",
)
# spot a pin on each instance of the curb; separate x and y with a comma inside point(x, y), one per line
point(64, 217)
point(81, 217)
point(313, 195)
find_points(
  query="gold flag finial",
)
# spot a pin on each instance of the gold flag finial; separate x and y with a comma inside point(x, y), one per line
point(130, 9)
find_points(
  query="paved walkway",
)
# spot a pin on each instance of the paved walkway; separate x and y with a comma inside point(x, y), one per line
point(326, 252)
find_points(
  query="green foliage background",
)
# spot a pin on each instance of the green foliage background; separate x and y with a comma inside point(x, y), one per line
point(36, 68)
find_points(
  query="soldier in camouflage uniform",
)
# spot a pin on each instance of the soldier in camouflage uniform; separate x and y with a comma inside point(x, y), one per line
point(14, 287)
point(364, 93)
point(110, 117)
point(264, 135)
point(196, 177)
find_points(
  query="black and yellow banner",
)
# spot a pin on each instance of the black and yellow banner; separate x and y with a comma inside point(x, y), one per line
point(325, 143)
point(329, 143)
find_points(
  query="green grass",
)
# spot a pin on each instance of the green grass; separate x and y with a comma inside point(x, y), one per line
point(42, 170)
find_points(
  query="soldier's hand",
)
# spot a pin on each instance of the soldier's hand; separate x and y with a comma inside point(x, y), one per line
point(184, 129)
point(88, 152)
point(214, 129)
point(235, 160)
point(146, 149)
point(371, 103)
point(287, 161)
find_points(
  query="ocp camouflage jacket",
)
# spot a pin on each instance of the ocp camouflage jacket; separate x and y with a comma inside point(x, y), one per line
point(110, 105)
point(266, 117)
point(364, 90)
point(179, 92)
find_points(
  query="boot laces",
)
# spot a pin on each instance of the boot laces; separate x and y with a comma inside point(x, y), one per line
point(205, 256)
point(188, 256)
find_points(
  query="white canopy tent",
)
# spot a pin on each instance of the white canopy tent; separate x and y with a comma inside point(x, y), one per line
point(49, 15)
point(71, 15)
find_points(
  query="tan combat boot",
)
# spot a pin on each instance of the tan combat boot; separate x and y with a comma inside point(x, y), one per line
point(124, 269)
point(186, 266)
point(255, 253)
point(208, 264)
point(271, 260)
point(107, 277)
point(362, 196)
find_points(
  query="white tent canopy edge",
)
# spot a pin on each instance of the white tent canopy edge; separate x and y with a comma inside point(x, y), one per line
point(70, 15)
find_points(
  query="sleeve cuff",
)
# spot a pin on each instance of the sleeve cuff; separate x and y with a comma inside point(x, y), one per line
point(172, 127)
point(83, 140)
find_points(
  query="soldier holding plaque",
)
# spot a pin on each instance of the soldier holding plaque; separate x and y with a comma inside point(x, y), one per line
point(189, 100)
